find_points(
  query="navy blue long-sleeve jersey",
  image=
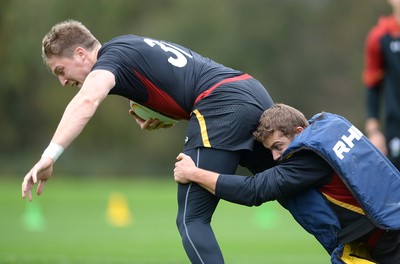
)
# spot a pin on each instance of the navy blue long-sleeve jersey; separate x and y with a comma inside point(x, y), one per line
point(161, 75)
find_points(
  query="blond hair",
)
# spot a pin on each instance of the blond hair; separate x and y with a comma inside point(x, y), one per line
point(279, 117)
point(64, 37)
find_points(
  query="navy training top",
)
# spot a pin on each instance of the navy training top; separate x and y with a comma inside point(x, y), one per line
point(158, 74)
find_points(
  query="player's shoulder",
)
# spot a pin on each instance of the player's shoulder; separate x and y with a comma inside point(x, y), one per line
point(385, 25)
point(123, 41)
point(121, 47)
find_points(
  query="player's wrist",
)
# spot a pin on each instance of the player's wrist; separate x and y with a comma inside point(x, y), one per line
point(372, 126)
point(372, 132)
point(53, 151)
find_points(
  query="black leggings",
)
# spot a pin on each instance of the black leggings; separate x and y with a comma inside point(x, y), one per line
point(196, 205)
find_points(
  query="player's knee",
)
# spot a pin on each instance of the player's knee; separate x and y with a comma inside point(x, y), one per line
point(186, 224)
point(179, 224)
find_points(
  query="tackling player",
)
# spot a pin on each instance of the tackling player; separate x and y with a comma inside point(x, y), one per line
point(334, 182)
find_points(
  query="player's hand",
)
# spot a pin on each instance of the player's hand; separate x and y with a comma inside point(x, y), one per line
point(379, 141)
point(40, 172)
point(149, 124)
point(183, 169)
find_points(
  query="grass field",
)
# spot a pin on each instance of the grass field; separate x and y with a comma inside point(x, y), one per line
point(69, 224)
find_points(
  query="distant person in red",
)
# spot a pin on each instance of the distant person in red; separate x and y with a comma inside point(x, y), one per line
point(381, 77)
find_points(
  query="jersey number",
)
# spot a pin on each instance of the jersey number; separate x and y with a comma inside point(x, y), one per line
point(179, 60)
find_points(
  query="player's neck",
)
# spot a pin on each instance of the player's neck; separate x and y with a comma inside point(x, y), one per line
point(94, 52)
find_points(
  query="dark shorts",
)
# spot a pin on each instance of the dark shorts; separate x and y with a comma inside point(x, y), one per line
point(227, 117)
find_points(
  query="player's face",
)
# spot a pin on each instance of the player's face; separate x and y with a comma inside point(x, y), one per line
point(277, 142)
point(70, 71)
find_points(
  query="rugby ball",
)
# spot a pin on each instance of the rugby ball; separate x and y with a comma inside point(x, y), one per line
point(147, 113)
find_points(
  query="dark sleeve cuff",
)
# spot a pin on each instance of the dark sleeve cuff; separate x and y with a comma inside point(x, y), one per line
point(373, 95)
point(223, 186)
point(235, 189)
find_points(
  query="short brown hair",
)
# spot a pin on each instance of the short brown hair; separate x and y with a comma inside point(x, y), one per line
point(279, 117)
point(64, 37)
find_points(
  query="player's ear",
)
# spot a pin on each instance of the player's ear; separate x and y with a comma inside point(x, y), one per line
point(81, 52)
point(299, 130)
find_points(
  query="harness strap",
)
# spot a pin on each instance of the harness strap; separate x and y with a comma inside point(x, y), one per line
point(355, 230)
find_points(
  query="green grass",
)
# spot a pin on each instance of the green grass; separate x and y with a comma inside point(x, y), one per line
point(68, 224)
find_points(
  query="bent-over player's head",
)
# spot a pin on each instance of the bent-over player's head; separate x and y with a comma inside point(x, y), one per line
point(64, 37)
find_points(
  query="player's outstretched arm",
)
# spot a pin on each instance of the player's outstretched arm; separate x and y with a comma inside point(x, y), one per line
point(77, 114)
point(186, 171)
